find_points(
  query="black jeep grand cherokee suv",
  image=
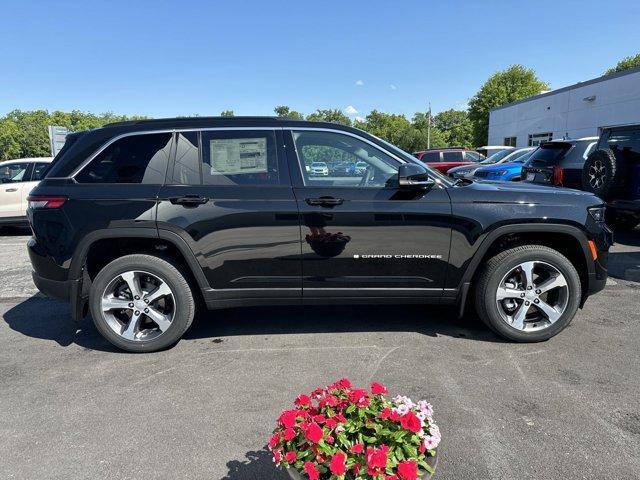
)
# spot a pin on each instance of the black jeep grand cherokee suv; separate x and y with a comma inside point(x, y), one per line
point(137, 222)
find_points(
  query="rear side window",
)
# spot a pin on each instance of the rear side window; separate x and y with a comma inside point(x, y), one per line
point(451, 156)
point(625, 144)
point(472, 157)
point(548, 154)
point(133, 159)
point(39, 169)
point(431, 157)
point(246, 157)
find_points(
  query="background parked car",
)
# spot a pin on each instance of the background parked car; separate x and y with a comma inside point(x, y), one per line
point(507, 171)
point(612, 171)
point(319, 168)
point(503, 156)
point(18, 177)
point(489, 150)
point(559, 162)
point(444, 159)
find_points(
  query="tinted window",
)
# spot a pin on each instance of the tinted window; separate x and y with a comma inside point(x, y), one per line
point(13, 173)
point(431, 157)
point(39, 169)
point(186, 169)
point(134, 159)
point(548, 154)
point(472, 157)
point(451, 156)
point(239, 158)
point(625, 144)
point(371, 166)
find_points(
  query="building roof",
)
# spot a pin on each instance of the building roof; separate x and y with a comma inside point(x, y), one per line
point(603, 78)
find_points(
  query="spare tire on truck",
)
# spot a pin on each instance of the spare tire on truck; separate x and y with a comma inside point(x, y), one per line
point(602, 173)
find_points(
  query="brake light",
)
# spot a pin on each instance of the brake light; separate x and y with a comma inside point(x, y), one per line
point(558, 176)
point(45, 201)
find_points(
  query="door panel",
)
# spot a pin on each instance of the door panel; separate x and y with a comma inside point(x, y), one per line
point(367, 238)
point(245, 229)
point(14, 177)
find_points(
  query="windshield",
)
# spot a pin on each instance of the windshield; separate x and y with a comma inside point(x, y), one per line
point(496, 157)
point(523, 157)
point(442, 178)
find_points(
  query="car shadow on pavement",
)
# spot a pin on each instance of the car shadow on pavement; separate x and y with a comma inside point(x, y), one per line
point(258, 464)
point(624, 264)
point(427, 320)
point(41, 317)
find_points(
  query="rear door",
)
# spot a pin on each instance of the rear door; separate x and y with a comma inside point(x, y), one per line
point(361, 235)
point(229, 196)
point(13, 178)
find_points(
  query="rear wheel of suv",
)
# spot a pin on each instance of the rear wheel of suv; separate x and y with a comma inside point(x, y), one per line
point(528, 293)
point(141, 303)
point(601, 173)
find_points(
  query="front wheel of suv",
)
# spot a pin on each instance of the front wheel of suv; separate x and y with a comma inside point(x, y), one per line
point(141, 303)
point(528, 293)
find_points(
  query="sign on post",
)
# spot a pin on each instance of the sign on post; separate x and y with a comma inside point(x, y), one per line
point(57, 137)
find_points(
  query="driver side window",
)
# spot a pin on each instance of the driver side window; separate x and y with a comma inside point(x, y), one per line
point(332, 159)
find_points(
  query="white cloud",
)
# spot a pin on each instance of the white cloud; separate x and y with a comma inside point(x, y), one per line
point(359, 83)
point(393, 87)
point(350, 110)
point(360, 119)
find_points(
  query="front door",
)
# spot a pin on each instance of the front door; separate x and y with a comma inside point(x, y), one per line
point(13, 178)
point(230, 198)
point(361, 234)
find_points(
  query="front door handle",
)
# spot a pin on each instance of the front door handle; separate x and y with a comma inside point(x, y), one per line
point(325, 201)
point(189, 200)
point(11, 190)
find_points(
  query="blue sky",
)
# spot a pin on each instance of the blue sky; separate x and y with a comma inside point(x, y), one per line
point(167, 58)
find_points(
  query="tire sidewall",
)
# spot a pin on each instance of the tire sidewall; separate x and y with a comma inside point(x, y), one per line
point(509, 263)
point(146, 263)
point(609, 162)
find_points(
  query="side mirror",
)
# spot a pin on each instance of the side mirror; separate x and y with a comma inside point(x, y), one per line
point(414, 177)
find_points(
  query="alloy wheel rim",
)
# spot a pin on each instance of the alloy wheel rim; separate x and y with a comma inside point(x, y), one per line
point(532, 296)
point(597, 173)
point(138, 305)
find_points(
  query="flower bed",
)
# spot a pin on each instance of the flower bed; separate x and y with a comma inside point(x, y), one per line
point(341, 432)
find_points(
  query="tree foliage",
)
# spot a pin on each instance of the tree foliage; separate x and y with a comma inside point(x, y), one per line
point(626, 63)
point(333, 115)
point(286, 112)
point(227, 113)
point(514, 83)
point(24, 133)
point(456, 128)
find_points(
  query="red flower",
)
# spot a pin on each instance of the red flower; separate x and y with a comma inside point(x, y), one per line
point(390, 477)
point(277, 456)
point(303, 401)
point(422, 447)
point(410, 422)
point(313, 432)
point(328, 401)
point(356, 469)
point(408, 470)
point(395, 416)
point(290, 457)
point(357, 448)
point(356, 396)
point(312, 471)
point(331, 423)
point(273, 441)
point(337, 465)
point(340, 418)
point(385, 413)
point(288, 418)
point(378, 389)
point(330, 440)
point(343, 383)
point(289, 434)
point(376, 460)
point(319, 419)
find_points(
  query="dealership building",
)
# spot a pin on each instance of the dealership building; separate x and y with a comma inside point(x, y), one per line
point(579, 110)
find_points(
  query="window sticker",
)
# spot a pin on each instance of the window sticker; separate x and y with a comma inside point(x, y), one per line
point(238, 155)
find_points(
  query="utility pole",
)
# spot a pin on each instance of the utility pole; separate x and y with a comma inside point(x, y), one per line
point(429, 127)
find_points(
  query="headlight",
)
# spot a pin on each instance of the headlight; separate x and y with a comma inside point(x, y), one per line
point(597, 213)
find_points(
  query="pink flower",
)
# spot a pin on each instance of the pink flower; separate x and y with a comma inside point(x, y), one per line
point(408, 470)
point(378, 389)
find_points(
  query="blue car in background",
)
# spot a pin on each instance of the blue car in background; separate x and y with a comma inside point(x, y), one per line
point(503, 172)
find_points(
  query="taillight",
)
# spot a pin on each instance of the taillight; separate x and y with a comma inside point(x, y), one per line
point(45, 201)
point(558, 175)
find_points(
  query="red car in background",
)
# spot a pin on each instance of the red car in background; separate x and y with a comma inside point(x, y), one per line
point(444, 159)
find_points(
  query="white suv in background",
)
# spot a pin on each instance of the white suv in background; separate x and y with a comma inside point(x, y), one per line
point(17, 179)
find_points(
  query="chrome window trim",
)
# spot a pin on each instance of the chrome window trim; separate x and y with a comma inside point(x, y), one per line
point(112, 140)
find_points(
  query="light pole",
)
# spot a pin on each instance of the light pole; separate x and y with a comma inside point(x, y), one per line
point(429, 127)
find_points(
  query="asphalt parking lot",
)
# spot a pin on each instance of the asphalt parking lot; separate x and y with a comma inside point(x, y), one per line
point(73, 407)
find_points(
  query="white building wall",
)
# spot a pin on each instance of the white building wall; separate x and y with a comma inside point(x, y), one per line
point(566, 113)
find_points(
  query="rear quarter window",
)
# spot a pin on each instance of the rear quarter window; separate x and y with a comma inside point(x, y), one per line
point(549, 154)
point(451, 156)
point(431, 157)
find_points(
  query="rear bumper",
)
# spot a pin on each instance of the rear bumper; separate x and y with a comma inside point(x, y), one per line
point(58, 289)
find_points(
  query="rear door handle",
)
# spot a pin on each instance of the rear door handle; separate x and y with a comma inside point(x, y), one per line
point(325, 201)
point(11, 190)
point(189, 200)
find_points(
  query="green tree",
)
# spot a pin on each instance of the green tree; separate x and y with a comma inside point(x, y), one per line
point(456, 128)
point(227, 113)
point(626, 63)
point(514, 83)
point(9, 144)
point(333, 115)
point(286, 112)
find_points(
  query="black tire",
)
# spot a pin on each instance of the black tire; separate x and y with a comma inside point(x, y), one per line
point(602, 173)
point(184, 307)
point(498, 266)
